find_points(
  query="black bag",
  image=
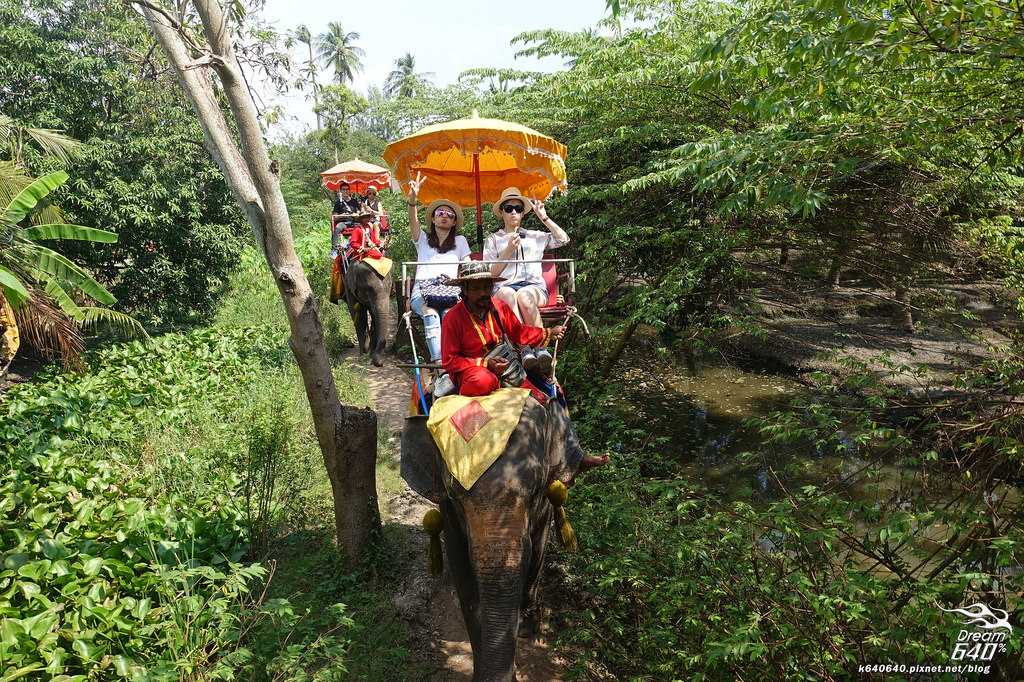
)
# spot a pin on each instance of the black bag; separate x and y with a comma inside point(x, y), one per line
point(438, 294)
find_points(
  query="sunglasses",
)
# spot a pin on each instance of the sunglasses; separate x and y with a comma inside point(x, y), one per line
point(513, 208)
point(444, 213)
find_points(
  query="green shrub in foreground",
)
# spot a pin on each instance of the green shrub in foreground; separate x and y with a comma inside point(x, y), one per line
point(104, 570)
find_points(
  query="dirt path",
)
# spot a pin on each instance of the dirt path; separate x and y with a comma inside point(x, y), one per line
point(429, 605)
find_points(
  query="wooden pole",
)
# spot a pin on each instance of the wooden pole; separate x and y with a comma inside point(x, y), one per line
point(479, 215)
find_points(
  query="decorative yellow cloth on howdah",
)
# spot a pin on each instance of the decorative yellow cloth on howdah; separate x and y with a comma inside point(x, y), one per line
point(381, 265)
point(471, 432)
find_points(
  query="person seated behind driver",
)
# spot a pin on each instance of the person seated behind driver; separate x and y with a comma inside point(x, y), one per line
point(524, 290)
point(475, 325)
point(346, 207)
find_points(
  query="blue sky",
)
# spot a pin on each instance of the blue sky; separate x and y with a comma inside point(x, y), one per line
point(446, 37)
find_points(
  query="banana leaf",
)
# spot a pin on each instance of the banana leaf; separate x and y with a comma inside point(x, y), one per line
point(14, 290)
point(27, 199)
point(64, 231)
point(52, 263)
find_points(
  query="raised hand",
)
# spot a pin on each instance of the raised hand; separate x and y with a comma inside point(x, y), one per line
point(538, 208)
point(415, 184)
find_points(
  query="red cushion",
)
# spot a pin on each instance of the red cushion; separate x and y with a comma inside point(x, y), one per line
point(549, 272)
point(476, 255)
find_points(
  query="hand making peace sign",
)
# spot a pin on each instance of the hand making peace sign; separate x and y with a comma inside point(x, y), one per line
point(414, 185)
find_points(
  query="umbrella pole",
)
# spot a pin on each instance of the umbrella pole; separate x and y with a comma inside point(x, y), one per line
point(479, 215)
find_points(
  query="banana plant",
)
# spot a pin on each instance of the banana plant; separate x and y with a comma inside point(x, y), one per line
point(30, 271)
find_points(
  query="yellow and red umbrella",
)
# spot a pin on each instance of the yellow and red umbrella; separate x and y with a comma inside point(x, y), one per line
point(471, 160)
point(359, 175)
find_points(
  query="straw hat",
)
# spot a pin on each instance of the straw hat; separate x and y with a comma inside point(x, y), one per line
point(459, 218)
point(511, 193)
point(472, 271)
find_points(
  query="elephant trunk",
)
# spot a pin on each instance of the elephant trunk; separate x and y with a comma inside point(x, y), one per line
point(378, 329)
point(500, 599)
point(379, 305)
point(499, 548)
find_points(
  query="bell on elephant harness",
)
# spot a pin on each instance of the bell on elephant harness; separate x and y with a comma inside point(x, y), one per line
point(434, 524)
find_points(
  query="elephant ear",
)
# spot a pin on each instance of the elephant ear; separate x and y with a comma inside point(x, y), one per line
point(564, 451)
point(421, 465)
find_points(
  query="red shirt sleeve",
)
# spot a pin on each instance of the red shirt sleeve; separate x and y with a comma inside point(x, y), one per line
point(453, 331)
point(355, 241)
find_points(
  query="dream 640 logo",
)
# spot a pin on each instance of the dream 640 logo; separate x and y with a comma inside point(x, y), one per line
point(984, 633)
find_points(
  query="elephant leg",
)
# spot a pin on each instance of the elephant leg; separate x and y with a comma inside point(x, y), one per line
point(499, 547)
point(378, 330)
point(457, 551)
point(361, 322)
point(541, 516)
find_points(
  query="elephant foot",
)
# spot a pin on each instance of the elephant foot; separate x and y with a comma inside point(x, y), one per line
point(364, 346)
point(376, 360)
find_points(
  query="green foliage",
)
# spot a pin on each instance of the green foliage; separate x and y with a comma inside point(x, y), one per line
point(87, 70)
point(864, 530)
point(138, 492)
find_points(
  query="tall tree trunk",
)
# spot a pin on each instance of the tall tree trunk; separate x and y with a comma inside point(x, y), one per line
point(312, 80)
point(347, 435)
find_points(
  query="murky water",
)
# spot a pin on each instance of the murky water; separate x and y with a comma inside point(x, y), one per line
point(697, 422)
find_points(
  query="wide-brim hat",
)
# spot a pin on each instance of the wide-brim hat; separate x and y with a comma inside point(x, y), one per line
point(370, 190)
point(432, 206)
point(508, 194)
point(474, 271)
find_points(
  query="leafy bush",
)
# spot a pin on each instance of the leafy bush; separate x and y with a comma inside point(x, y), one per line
point(875, 515)
point(142, 172)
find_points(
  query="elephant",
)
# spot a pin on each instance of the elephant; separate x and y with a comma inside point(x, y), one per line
point(496, 533)
point(367, 293)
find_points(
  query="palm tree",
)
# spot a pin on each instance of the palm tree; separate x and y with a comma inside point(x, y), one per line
point(36, 282)
point(338, 50)
point(303, 35)
point(404, 81)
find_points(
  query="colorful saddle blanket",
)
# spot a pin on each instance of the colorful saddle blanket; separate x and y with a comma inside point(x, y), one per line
point(381, 265)
point(471, 432)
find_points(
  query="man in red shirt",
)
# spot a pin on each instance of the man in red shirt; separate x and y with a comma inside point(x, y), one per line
point(478, 323)
point(363, 241)
point(474, 326)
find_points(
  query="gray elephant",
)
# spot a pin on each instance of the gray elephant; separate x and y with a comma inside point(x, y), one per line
point(368, 294)
point(496, 532)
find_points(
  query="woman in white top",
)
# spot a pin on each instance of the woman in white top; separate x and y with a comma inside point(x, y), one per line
point(523, 289)
point(443, 247)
